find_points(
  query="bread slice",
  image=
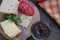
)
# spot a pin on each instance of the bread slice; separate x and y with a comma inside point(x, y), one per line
point(9, 7)
point(25, 20)
point(10, 29)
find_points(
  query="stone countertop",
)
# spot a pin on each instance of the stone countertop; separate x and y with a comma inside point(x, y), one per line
point(55, 30)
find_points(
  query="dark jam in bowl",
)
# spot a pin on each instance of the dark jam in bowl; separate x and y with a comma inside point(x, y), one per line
point(40, 30)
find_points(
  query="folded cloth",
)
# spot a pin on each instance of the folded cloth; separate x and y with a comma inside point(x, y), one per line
point(53, 9)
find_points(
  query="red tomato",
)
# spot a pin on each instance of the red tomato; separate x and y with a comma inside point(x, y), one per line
point(40, 1)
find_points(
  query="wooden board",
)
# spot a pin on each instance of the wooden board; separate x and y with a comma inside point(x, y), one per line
point(36, 17)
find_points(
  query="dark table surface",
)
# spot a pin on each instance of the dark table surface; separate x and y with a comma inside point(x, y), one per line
point(55, 30)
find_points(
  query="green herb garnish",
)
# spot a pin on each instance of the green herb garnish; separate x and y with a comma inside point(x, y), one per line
point(13, 17)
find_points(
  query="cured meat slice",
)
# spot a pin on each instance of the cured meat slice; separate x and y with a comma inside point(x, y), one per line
point(26, 8)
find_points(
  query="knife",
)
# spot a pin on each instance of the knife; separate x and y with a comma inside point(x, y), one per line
point(23, 33)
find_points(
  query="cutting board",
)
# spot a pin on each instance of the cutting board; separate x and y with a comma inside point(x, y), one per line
point(36, 17)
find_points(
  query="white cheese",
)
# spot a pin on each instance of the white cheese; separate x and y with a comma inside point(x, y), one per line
point(9, 6)
point(10, 29)
point(25, 20)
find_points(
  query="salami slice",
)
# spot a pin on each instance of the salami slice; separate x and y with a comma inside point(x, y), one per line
point(26, 8)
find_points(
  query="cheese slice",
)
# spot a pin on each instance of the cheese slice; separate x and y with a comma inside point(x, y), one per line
point(9, 6)
point(10, 29)
point(25, 20)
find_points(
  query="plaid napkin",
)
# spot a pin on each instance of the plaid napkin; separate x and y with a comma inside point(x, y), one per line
point(53, 9)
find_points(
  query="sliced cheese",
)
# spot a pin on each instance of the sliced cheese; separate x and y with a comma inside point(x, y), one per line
point(10, 29)
point(25, 20)
point(9, 6)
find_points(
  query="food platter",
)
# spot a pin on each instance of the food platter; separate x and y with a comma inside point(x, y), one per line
point(36, 17)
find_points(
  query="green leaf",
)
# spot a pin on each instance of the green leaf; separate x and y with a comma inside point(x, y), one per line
point(13, 17)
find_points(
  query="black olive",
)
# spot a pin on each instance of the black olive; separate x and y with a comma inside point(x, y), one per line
point(40, 30)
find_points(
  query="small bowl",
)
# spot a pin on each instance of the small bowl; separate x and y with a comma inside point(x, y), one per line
point(40, 30)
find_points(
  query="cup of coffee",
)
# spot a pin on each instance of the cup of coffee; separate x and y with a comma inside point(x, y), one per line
point(40, 30)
